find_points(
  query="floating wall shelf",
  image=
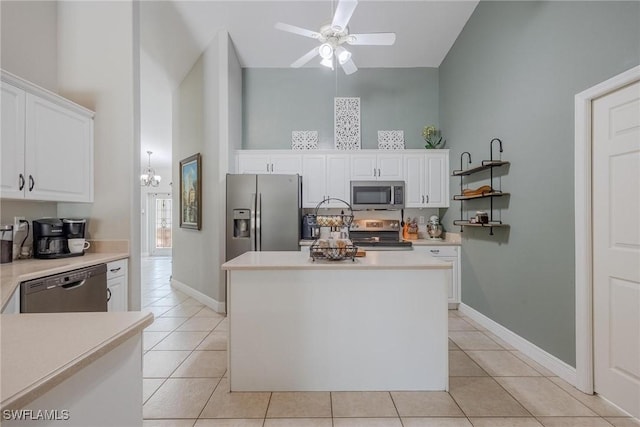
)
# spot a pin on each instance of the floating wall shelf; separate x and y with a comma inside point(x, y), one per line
point(485, 165)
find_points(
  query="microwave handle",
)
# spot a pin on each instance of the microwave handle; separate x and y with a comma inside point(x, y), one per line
point(393, 195)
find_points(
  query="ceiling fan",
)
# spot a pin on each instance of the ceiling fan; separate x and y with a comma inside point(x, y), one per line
point(332, 37)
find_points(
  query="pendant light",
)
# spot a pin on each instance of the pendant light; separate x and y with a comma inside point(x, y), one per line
point(148, 177)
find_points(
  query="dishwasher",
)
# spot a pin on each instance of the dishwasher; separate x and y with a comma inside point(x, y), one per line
point(84, 289)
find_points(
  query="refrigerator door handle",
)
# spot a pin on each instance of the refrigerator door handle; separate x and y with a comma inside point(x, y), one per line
point(258, 230)
point(252, 233)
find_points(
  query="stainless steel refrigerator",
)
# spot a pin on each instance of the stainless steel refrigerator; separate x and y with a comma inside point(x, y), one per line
point(263, 213)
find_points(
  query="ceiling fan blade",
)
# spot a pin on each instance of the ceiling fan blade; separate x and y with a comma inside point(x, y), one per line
point(349, 67)
point(379, 39)
point(343, 14)
point(297, 30)
point(305, 58)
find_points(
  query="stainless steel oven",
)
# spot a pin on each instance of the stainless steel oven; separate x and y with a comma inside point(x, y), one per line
point(84, 289)
point(377, 195)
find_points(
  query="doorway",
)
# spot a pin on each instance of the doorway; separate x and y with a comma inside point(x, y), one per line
point(159, 224)
point(607, 205)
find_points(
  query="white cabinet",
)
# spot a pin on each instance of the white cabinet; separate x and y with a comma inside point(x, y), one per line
point(385, 167)
point(47, 145)
point(450, 254)
point(117, 285)
point(426, 177)
point(267, 163)
point(323, 177)
point(13, 305)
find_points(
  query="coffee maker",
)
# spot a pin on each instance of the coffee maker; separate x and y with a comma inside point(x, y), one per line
point(50, 236)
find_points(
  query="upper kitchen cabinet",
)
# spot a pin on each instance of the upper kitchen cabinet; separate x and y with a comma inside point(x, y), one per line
point(426, 177)
point(325, 177)
point(47, 145)
point(384, 167)
point(268, 162)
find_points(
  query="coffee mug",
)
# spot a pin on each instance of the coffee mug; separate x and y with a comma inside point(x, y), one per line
point(78, 245)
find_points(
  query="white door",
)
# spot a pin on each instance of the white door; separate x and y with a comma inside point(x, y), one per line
point(253, 163)
point(437, 177)
point(390, 167)
point(338, 179)
point(286, 164)
point(57, 136)
point(160, 221)
point(12, 180)
point(364, 167)
point(414, 196)
point(616, 247)
point(314, 189)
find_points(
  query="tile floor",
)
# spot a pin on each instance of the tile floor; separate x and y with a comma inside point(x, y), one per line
point(491, 383)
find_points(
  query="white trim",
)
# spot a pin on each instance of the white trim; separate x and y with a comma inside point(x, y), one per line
point(583, 235)
point(549, 361)
point(218, 307)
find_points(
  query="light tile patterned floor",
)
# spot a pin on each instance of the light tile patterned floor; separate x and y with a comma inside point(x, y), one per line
point(491, 383)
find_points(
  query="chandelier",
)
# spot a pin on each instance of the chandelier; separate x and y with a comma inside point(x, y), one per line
point(148, 177)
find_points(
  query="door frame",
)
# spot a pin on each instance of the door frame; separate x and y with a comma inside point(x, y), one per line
point(583, 217)
point(151, 220)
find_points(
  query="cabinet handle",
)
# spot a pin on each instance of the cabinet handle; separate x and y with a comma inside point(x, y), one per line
point(115, 270)
point(379, 172)
point(21, 182)
point(108, 294)
point(271, 167)
point(32, 183)
point(434, 251)
point(427, 198)
point(422, 199)
point(374, 171)
point(267, 167)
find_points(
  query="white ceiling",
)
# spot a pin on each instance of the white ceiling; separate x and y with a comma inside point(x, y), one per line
point(174, 33)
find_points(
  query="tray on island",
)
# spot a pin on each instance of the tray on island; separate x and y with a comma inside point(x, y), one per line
point(318, 251)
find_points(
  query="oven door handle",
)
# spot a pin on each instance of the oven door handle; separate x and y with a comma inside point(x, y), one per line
point(73, 285)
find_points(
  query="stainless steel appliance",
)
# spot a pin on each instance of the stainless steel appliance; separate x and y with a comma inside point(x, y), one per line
point(434, 228)
point(309, 227)
point(78, 290)
point(377, 195)
point(50, 236)
point(378, 234)
point(263, 213)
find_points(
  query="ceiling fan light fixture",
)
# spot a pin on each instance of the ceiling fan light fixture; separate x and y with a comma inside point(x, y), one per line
point(325, 51)
point(343, 55)
point(327, 62)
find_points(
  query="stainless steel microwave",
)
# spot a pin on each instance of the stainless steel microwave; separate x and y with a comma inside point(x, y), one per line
point(377, 195)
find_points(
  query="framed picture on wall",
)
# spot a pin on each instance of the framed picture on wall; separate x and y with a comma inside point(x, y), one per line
point(191, 192)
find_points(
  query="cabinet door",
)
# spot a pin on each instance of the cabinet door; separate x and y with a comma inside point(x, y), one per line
point(338, 179)
point(286, 164)
point(314, 174)
point(364, 167)
point(118, 288)
point(58, 153)
point(390, 167)
point(12, 140)
point(437, 180)
point(453, 283)
point(414, 177)
point(253, 163)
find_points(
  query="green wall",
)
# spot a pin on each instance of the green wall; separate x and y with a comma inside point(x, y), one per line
point(277, 101)
point(513, 73)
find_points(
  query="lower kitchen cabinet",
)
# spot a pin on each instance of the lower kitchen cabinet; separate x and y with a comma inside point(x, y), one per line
point(117, 285)
point(450, 254)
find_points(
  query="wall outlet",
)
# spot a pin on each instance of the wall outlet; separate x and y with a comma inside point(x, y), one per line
point(421, 219)
point(17, 225)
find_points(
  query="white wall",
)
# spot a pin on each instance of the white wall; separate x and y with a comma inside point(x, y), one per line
point(206, 120)
point(29, 41)
point(96, 69)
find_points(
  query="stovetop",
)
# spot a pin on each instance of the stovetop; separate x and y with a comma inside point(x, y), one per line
point(377, 234)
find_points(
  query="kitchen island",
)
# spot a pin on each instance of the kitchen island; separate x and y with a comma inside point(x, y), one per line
point(376, 323)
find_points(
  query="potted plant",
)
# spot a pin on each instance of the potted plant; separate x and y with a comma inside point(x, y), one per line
point(432, 137)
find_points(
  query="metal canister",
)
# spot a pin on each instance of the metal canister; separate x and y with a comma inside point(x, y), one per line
point(6, 244)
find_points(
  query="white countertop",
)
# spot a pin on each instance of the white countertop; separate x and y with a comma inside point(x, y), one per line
point(41, 350)
point(13, 273)
point(293, 260)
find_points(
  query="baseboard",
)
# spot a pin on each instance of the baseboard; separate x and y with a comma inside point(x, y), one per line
point(549, 361)
point(218, 307)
